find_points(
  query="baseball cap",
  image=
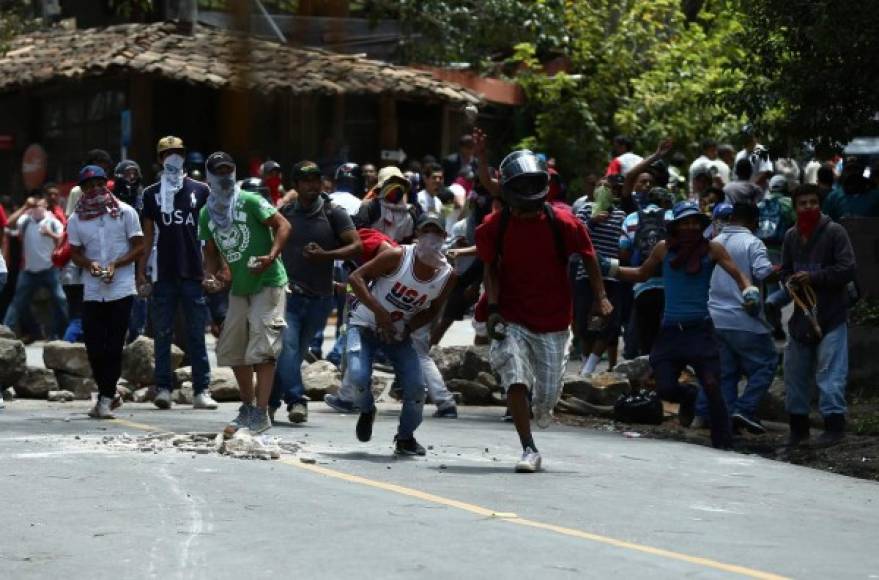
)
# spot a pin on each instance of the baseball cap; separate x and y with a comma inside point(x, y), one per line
point(270, 166)
point(91, 172)
point(684, 209)
point(428, 219)
point(219, 159)
point(169, 143)
point(303, 169)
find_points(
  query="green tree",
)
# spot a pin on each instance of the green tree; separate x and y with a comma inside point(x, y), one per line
point(16, 17)
point(812, 68)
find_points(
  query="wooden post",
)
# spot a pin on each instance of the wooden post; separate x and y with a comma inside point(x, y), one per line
point(143, 139)
point(389, 135)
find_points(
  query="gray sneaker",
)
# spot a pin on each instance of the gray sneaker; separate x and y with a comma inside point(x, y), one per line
point(242, 421)
point(297, 412)
point(101, 410)
point(259, 420)
point(529, 463)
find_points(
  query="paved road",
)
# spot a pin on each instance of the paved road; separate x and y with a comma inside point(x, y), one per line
point(606, 506)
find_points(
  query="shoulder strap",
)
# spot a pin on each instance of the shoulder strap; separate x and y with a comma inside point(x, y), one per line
point(328, 212)
point(501, 232)
point(556, 233)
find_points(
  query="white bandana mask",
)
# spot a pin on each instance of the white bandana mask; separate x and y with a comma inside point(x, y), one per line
point(172, 181)
point(429, 249)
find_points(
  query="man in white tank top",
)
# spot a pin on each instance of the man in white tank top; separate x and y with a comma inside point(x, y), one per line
point(398, 292)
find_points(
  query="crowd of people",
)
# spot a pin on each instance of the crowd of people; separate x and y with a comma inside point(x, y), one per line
point(402, 253)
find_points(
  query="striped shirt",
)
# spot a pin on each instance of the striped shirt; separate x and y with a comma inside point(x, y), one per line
point(605, 235)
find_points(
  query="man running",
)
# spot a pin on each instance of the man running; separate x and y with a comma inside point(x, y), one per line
point(525, 248)
point(249, 233)
point(687, 335)
point(398, 292)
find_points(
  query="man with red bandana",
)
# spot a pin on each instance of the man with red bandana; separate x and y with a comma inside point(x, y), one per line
point(817, 254)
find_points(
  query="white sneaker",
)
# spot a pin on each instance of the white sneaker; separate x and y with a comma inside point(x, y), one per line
point(204, 401)
point(163, 399)
point(101, 410)
point(529, 463)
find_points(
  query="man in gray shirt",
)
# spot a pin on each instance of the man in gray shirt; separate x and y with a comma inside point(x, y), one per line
point(742, 190)
point(321, 233)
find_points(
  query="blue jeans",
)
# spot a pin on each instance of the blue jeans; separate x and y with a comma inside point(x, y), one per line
point(137, 319)
point(167, 296)
point(303, 315)
point(743, 353)
point(3, 277)
point(362, 346)
point(27, 284)
point(825, 363)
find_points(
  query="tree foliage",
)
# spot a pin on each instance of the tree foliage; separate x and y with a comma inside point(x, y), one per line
point(16, 17)
point(637, 67)
point(812, 68)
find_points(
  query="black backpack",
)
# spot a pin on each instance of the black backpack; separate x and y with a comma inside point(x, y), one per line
point(651, 230)
point(561, 250)
point(641, 407)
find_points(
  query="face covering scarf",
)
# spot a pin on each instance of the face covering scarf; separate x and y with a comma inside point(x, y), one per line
point(172, 181)
point(807, 221)
point(222, 200)
point(689, 247)
point(428, 249)
point(96, 203)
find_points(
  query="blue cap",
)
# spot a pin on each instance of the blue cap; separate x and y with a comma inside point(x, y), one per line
point(722, 211)
point(684, 209)
point(91, 172)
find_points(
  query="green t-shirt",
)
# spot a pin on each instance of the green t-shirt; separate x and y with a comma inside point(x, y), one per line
point(247, 237)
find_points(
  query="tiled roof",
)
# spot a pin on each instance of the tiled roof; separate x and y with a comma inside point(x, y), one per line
point(211, 57)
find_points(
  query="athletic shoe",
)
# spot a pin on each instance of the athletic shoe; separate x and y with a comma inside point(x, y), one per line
point(312, 356)
point(297, 412)
point(530, 461)
point(753, 426)
point(450, 412)
point(242, 421)
point(116, 403)
point(339, 404)
point(101, 410)
point(364, 426)
point(204, 401)
point(409, 447)
point(2, 404)
point(163, 399)
point(259, 420)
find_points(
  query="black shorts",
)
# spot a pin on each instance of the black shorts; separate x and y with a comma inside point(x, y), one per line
point(583, 299)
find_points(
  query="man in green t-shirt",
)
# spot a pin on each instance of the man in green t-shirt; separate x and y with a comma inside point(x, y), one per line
point(249, 234)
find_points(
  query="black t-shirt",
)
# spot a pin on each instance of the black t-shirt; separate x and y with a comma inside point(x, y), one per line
point(179, 249)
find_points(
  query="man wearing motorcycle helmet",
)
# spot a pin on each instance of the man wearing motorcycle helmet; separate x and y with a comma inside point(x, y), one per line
point(525, 248)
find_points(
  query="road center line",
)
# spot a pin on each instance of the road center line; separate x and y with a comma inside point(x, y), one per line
point(510, 517)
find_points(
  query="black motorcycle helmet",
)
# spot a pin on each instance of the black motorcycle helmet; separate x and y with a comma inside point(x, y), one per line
point(119, 173)
point(349, 177)
point(524, 180)
point(255, 185)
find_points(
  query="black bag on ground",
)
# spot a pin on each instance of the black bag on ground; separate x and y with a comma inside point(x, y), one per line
point(641, 407)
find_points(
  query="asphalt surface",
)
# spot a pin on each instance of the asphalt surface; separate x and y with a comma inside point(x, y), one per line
point(605, 505)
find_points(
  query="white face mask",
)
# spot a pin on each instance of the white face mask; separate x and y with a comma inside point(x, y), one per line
point(222, 185)
point(429, 249)
point(173, 163)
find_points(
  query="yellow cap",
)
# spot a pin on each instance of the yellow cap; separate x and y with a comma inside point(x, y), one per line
point(169, 142)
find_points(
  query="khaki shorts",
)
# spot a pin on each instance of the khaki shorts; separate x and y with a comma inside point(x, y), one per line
point(252, 331)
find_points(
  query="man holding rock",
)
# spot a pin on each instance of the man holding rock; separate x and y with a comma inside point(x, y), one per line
point(249, 233)
point(105, 240)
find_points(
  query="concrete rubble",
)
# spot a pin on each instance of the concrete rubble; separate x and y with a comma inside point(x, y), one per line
point(242, 445)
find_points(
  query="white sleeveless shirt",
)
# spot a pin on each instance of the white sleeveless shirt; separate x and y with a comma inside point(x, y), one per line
point(401, 293)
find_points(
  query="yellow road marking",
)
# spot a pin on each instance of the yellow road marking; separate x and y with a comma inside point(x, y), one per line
point(134, 425)
point(510, 517)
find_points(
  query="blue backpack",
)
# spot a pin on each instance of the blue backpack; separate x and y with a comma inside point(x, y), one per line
point(770, 225)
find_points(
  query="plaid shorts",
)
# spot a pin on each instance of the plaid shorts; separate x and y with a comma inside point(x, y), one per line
point(536, 360)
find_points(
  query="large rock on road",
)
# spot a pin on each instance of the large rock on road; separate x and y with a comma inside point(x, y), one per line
point(139, 361)
point(67, 357)
point(13, 361)
point(36, 383)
